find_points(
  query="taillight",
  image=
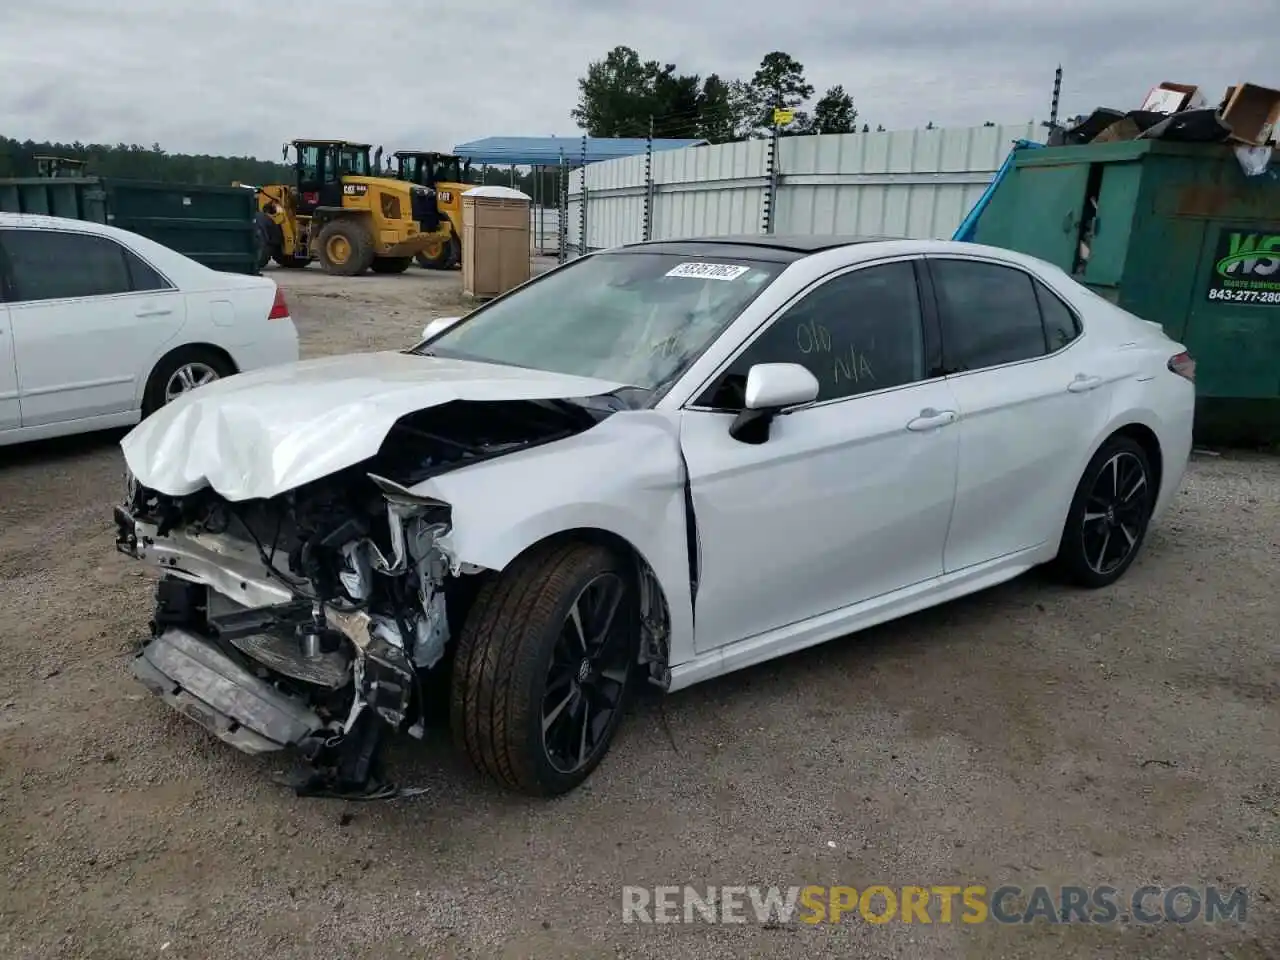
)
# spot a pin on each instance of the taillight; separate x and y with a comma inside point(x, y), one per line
point(1183, 365)
point(279, 309)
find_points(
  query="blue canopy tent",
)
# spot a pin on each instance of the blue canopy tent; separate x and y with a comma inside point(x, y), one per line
point(547, 151)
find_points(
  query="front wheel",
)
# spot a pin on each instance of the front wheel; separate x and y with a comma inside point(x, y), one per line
point(544, 667)
point(1109, 515)
point(346, 249)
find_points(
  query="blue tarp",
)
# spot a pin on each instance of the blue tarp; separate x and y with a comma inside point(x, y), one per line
point(546, 151)
point(969, 225)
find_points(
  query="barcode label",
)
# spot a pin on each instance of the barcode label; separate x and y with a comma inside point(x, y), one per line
point(708, 271)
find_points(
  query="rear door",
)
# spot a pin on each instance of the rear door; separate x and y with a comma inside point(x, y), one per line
point(1032, 397)
point(86, 317)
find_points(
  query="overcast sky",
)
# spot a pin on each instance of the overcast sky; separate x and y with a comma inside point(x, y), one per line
point(237, 76)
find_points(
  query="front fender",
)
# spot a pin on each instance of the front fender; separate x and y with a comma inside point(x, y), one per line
point(624, 476)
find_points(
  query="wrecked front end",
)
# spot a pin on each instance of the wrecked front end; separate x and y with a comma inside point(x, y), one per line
point(313, 620)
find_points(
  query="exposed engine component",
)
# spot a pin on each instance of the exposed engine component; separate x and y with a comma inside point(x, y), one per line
point(308, 620)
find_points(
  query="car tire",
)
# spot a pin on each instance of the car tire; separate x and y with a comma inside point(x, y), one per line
point(519, 650)
point(186, 365)
point(439, 262)
point(1109, 515)
point(345, 248)
point(261, 246)
point(391, 264)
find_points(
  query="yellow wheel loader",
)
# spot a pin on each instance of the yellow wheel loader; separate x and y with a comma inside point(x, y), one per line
point(448, 176)
point(340, 212)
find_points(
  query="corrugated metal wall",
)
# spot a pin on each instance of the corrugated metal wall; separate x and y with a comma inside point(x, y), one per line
point(913, 183)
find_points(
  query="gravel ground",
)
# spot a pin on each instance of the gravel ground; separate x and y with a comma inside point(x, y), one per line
point(1030, 734)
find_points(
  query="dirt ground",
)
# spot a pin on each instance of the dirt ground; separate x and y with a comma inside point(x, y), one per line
point(1028, 735)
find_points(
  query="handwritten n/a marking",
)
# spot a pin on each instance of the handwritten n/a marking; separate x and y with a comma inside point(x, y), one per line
point(852, 367)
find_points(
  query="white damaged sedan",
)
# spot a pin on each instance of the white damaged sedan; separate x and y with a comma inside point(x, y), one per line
point(659, 463)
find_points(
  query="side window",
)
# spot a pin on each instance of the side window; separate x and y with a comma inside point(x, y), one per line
point(989, 314)
point(50, 264)
point(1061, 326)
point(141, 275)
point(861, 331)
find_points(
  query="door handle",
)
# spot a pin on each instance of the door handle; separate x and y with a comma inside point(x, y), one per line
point(931, 419)
point(1083, 383)
point(158, 312)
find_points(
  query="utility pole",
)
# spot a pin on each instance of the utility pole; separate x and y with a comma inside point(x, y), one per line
point(1057, 93)
point(648, 184)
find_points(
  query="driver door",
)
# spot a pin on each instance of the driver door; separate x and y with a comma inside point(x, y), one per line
point(850, 497)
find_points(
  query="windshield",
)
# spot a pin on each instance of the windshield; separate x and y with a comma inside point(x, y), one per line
point(353, 160)
point(632, 318)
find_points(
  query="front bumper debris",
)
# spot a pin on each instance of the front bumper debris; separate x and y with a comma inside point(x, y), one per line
point(210, 688)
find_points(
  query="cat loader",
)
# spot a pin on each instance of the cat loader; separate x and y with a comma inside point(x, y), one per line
point(447, 175)
point(341, 212)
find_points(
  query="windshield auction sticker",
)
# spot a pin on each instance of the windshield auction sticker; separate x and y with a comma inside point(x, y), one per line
point(708, 271)
point(1246, 268)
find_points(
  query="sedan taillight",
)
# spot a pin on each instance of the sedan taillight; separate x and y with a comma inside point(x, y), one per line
point(279, 309)
point(1184, 365)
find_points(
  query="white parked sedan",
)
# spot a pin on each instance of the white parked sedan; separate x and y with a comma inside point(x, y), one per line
point(665, 461)
point(100, 327)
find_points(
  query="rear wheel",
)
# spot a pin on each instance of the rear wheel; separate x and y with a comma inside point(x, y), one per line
point(346, 249)
point(184, 370)
point(1109, 515)
point(544, 667)
point(391, 264)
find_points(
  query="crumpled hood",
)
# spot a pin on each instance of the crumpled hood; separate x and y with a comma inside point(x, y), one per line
point(261, 433)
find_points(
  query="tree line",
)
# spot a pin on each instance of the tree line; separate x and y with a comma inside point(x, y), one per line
point(622, 95)
point(135, 162)
point(131, 161)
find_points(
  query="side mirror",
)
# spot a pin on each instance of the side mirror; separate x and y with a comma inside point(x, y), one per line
point(771, 387)
point(438, 325)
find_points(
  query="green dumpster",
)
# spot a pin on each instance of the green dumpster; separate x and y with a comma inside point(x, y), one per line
point(1175, 233)
point(210, 224)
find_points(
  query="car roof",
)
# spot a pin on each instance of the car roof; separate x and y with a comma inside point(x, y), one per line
point(778, 248)
point(41, 221)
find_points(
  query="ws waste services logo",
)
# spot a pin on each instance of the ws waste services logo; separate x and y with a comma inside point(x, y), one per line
point(1246, 268)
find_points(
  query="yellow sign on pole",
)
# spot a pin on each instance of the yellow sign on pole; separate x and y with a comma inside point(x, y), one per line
point(781, 117)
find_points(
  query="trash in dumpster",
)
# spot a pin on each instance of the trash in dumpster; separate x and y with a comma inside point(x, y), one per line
point(1254, 160)
point(1252, 113)
point(1169, 97)
point(1248, 114)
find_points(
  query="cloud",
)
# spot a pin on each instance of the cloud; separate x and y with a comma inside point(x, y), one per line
point(242, 77)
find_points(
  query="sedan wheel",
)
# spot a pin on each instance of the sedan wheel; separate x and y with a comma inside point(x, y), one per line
point(586, 675)
point(186, 378)
point(543, 667)
point(1109, 515)
point(180, 372)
